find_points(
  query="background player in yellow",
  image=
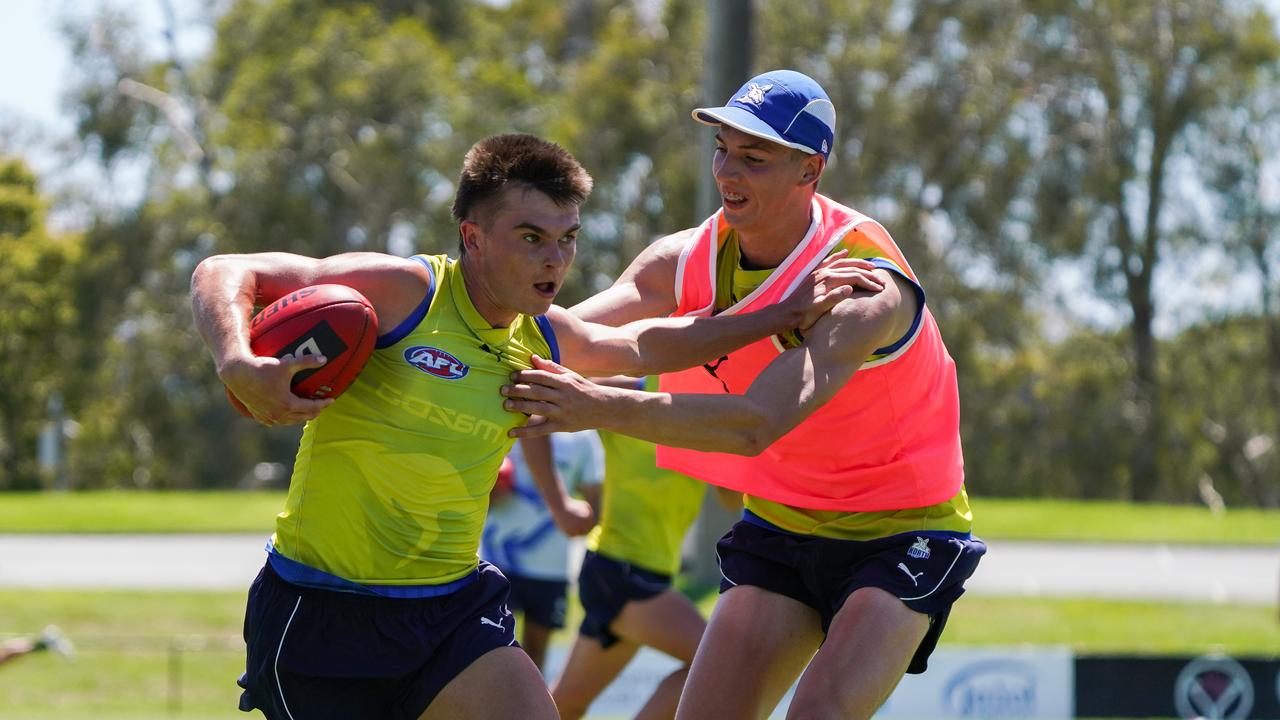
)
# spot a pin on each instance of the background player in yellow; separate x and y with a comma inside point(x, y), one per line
point(625, 582)
point(373, 602)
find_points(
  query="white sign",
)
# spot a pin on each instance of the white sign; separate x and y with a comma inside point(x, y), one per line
point(988, 683)
point(1033, 683)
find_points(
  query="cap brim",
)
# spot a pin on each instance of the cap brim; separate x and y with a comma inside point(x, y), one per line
point(739, 119)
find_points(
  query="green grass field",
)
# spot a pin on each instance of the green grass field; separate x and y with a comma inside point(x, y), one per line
point(1096, 521)
point(120, 512)
point(128, 643)
point(139, 512)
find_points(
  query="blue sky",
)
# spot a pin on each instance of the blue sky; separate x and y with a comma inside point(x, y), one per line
point(38, 64)
point(36, 74)
point(35, 62)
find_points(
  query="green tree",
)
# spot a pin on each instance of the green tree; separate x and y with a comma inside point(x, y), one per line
point(317, 129)
point(1239, 149)
point(990, 137)
point(1218, 380)
point(1123, 85)
point(36, 315)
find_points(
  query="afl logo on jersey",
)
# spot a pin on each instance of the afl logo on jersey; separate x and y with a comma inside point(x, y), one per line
point(435, 361)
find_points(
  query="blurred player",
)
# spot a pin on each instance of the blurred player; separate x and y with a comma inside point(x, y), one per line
point(855, 539)
point(373, 603)
point(50, 639)
point(625, 583)
point(521, 537)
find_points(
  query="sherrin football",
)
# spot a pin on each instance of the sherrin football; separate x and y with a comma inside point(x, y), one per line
point(330, 320)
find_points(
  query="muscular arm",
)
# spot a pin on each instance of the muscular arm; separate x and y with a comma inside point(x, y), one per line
point(225, 288)
point(646, 289)
point(657, 345)
point(791, 388)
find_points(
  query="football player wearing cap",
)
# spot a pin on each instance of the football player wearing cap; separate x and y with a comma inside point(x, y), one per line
point(855, 537)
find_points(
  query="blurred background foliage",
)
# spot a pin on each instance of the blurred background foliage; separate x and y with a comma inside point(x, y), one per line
point(999, 141)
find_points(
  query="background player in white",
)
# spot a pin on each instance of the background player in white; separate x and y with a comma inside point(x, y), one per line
point(522, 539)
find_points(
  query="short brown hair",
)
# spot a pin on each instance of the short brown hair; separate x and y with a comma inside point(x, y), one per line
point(518, 159)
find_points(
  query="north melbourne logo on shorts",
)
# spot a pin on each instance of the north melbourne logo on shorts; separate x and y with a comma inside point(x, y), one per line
point(919, 549)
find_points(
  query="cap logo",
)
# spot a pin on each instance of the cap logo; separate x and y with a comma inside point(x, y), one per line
point(824, 147)
point(755, 94)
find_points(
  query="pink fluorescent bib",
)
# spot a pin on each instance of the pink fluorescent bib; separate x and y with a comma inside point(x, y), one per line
point(888, 440)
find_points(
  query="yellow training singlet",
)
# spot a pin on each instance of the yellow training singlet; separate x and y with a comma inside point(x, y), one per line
point(647, 509)
point(954, 515)
point(391, 483)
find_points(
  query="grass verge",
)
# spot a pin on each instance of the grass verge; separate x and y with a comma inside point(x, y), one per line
point(1104, 521)
point(144, 655)
point(996, 518)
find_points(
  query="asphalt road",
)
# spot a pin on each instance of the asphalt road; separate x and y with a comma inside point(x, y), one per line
point(1248, 575)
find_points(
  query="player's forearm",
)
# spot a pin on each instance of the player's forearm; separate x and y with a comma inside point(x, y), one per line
point(789, 390)
point(670, 344)
point(732, 424)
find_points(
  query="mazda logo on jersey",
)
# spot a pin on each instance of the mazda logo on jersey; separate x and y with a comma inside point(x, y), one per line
point(435, 361)
point(319, 340)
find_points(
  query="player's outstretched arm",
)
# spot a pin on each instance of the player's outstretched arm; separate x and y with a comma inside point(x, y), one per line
point(646, 289)
point(225, 289)
point(657, 345)
point(791, 388)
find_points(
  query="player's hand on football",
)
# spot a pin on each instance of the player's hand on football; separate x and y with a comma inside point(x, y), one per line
point(556, 398)
point(261, 384)
point(835, 279)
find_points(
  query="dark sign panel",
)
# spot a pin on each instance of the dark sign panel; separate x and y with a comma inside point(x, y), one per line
point(1212, 687)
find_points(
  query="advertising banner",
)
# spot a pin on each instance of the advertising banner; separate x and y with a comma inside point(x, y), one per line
point(1032, 683)
point(1212, 687)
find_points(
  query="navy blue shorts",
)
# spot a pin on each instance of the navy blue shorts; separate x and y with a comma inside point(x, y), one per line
point(541, 601)
point(925, 570)
point(316, 653)
point(605, 586)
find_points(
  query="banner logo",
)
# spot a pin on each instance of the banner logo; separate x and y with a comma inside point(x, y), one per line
point(993, 689)
point(1213, 688)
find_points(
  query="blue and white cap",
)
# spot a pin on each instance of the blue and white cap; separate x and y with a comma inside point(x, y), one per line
point(782, 106)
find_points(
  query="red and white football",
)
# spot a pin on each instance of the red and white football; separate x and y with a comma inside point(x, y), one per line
point(330, 320)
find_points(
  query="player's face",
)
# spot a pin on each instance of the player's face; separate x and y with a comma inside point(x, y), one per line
point(762, 184)
point(522, 251)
